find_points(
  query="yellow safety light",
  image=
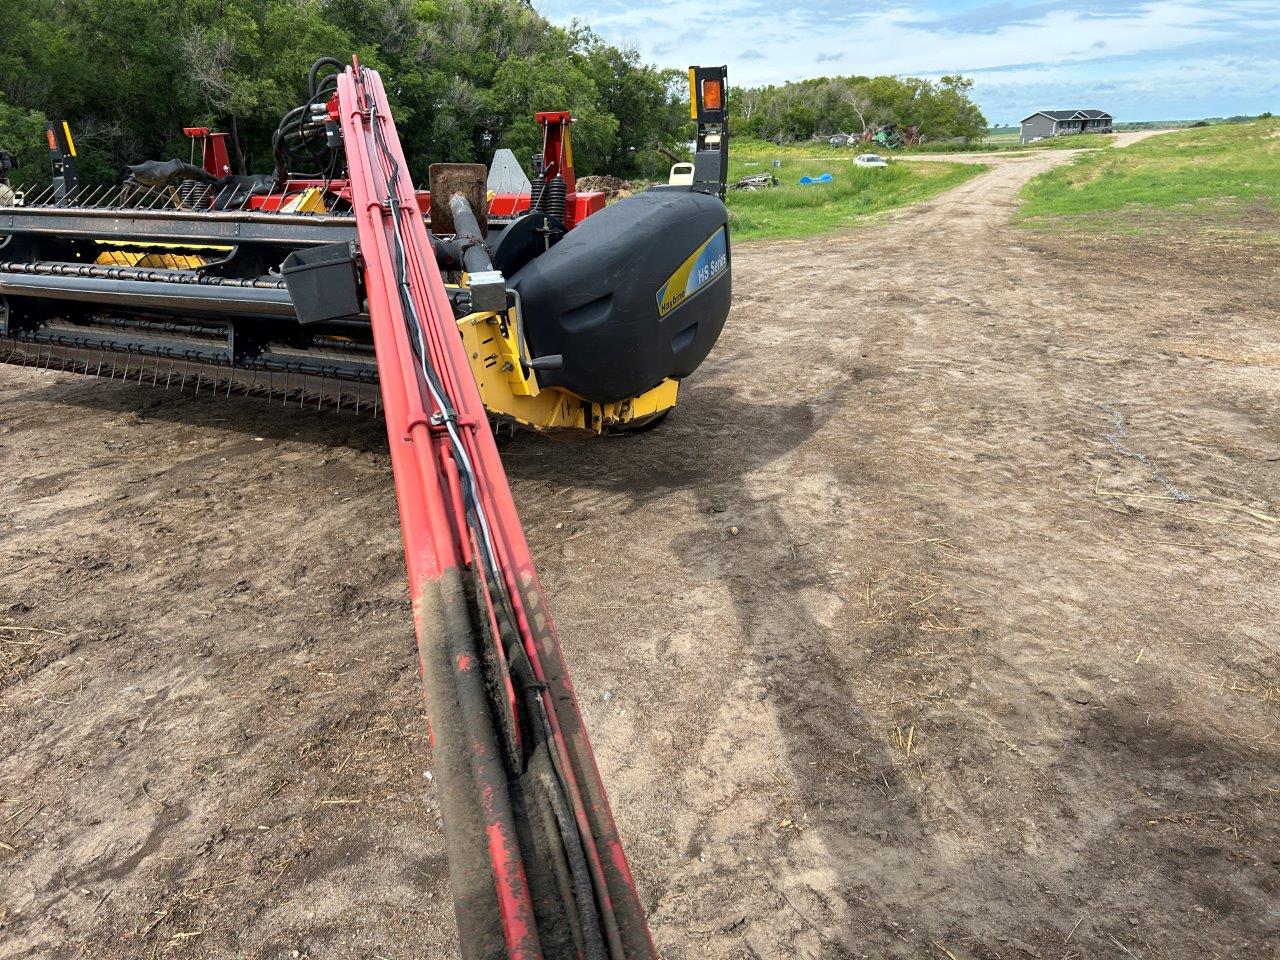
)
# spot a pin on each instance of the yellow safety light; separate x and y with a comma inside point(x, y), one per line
point(693, 94)
point(71, 144)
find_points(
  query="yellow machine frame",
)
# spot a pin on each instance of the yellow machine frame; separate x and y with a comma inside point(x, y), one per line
point(509, 389)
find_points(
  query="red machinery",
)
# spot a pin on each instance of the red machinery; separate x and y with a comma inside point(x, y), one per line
point(536, 863)
point(214, 156)
point(555, 191)
point(559, 313)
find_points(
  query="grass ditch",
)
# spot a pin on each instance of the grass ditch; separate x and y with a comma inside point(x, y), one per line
point(1224, 177)
point(855, 193)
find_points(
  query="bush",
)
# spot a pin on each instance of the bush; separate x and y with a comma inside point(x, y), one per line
point(464, 77)
point(22, 133)
point(818, 108)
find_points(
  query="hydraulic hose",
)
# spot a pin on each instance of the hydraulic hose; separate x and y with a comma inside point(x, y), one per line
point(313, 73)
point(468, 246)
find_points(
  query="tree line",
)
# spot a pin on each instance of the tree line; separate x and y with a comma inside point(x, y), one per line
point(464, 77)
point(941, 110)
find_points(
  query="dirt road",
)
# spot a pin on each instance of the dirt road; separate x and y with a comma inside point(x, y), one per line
point(939, 621)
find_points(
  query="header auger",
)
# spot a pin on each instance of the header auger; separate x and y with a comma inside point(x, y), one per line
point(335, 281)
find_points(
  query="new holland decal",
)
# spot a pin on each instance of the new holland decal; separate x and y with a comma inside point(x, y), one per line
point(707, 263)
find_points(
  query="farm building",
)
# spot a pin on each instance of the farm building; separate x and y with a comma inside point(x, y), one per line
point(1057, 123)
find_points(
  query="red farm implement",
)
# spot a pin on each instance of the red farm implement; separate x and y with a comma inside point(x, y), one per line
point(335, 282)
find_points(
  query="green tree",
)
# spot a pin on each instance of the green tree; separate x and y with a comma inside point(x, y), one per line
point(650, 106)
point(826, 105)
point(22, 135)
point(464, 76)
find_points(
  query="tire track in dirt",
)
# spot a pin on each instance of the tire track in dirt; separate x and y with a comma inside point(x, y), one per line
point(918, 723)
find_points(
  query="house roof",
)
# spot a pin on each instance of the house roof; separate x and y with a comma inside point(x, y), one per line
point(1070, 115)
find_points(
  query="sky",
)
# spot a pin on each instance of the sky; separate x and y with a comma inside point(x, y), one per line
point(1149, 60)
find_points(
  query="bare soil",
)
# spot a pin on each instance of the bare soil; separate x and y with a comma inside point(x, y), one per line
point(940, 621)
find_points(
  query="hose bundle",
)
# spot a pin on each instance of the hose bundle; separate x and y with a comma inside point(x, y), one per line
point(300, 144)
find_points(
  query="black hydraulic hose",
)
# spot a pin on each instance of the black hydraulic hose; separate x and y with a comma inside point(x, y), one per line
point(472, 251)
point(312, 88)
point(297, 125)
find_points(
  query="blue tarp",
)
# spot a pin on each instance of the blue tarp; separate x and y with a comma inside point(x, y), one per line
point(821, 178)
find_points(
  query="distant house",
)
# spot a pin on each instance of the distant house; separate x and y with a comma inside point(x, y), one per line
point(1057, 123)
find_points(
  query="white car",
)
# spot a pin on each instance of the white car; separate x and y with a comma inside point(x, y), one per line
point(870, 160)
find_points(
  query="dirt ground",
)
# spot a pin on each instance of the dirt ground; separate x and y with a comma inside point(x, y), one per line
point(938, 622)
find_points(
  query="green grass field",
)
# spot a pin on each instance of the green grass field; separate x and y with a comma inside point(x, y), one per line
point(1211, 175)
point(791, 210)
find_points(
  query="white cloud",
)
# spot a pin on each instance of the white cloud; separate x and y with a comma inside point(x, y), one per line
point(1170, 52)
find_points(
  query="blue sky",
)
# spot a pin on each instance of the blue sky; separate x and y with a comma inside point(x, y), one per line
point(1150, 60)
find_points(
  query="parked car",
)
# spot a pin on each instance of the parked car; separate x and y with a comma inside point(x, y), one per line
point(870, 160)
